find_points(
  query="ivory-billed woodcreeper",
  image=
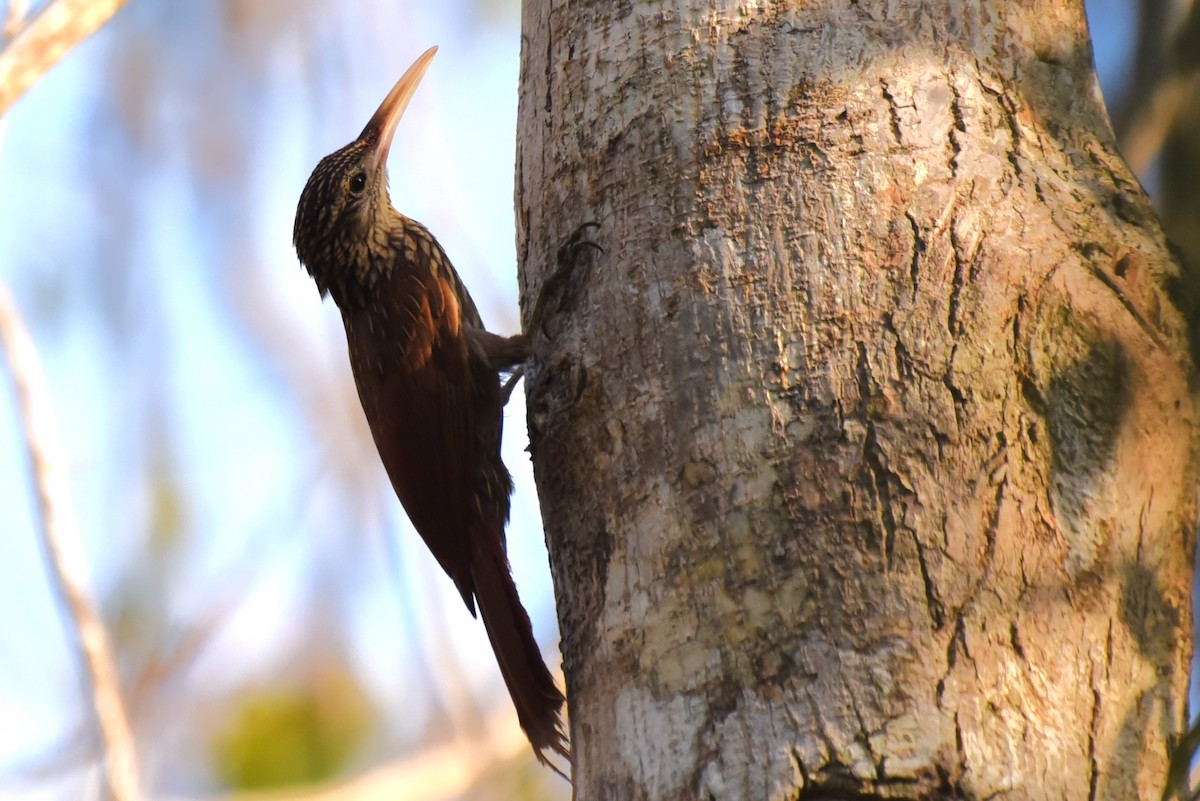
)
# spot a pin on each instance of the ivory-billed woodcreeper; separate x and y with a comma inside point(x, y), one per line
point(428, 377)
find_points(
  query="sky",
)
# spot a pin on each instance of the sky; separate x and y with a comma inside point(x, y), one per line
point(189, 356)
point(221, 473)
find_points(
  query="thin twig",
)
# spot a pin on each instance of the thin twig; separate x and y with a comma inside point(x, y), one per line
point(29, 52)
point(1166, 72)
point(1143, 138)
point(48, 37)
point(1147, 65)
point(64, 554)
point(14, 20)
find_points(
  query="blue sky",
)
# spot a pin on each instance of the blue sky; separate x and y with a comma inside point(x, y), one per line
point(128, 263)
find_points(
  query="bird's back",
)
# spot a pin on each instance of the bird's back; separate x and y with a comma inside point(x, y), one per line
point(432, 406)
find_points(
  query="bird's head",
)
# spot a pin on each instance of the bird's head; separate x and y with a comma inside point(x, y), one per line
point(343, 210)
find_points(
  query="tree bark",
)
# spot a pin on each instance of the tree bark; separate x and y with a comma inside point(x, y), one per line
point(866, 453)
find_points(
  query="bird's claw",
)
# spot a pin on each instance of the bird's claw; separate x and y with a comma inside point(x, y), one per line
point(506, 391)
point(575, 243)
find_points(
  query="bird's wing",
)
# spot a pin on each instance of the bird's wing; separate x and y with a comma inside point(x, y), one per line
point(417, 396)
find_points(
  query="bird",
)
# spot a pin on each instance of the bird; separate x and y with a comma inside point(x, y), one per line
point(428, 377)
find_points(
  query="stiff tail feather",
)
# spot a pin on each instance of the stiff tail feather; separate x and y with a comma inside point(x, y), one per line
point(534, 693)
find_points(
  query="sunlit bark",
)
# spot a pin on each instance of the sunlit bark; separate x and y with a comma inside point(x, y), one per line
point(866, 455)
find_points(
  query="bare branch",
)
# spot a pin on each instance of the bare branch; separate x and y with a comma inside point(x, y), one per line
point(1148, 64)
point(45, 40)
point(15, 19)
point(1143, 136)
point(1165, 73)
point(64, 554)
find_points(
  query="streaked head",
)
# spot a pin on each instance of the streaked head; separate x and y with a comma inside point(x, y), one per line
point(346, 195)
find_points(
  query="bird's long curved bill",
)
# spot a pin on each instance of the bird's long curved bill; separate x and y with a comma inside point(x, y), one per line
point(382, 126)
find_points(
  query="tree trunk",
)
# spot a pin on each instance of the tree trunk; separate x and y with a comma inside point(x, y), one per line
point(866, 452)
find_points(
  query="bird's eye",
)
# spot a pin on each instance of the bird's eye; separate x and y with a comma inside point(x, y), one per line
point(358, 183)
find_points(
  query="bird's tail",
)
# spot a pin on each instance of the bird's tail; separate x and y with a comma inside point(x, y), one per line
point(534, 693)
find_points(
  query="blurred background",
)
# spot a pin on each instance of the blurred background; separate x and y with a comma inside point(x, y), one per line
point(277, 622)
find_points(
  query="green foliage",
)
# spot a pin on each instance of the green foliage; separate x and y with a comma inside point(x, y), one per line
point(292, 734)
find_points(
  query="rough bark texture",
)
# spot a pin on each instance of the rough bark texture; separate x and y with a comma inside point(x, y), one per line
point(866, 455)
